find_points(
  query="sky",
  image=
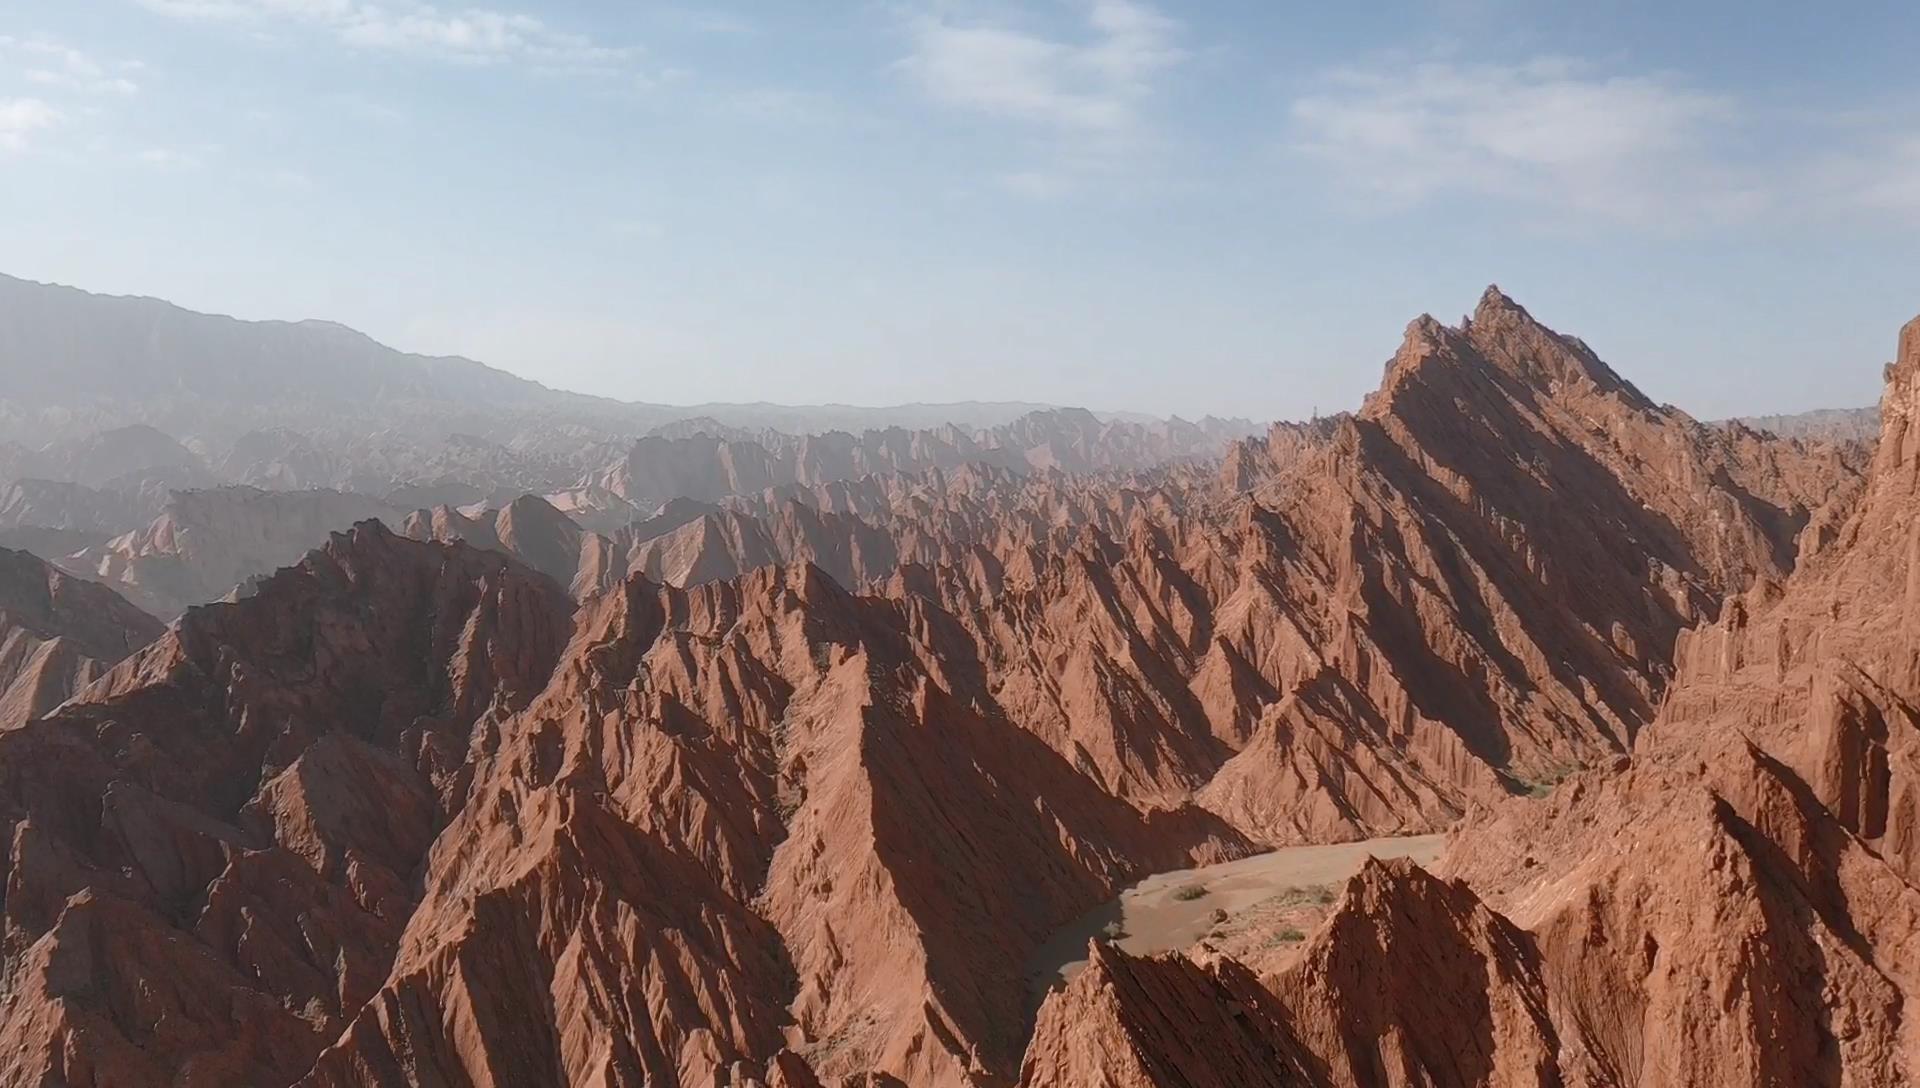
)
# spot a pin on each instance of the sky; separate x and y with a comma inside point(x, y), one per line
point(1227, 207)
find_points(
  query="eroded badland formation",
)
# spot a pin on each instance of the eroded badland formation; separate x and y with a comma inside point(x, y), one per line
point(782, 779)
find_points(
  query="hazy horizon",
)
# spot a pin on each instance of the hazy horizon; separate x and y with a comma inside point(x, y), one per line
point(1105, 411)
point(1135, 208)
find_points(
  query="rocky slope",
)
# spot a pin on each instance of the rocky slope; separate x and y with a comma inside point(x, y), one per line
point(710, 468)
point(206, 543)
point(1733, 904)
point(211, 849)
point(58, 634)
point(416, 812)
point(528, 529)
point(1399, 615)
point(783, 754)
point(323, 485)
point(28, 504)
point(1412, 980)
point(97, 459)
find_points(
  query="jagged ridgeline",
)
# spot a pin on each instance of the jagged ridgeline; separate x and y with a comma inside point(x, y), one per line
point(783, 779)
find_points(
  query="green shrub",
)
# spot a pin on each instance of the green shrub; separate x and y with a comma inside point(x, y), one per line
point(1190, 892)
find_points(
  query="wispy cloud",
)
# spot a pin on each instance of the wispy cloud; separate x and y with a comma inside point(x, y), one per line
point(1095, 83)
point(52, 64)
point(778, 105)
point(705, 20)
point(1078, 95)
point(285, 179)
point(22, 118)
point(370, 109)
point(168, 158)
point(1036, 184)
point(1551, 131)
point(638, 229)
point(474, 35)
point(47, 85)
point(1877, 175)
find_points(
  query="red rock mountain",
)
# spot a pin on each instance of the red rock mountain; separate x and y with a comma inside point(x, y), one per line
point(1731, 904)
point(212, 848)
point(58, 633)
point(418, 812)
point(204, 543)
point(709, 467)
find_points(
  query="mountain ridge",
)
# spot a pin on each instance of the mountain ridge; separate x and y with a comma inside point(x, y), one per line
point(44, 328)
point(410, 812)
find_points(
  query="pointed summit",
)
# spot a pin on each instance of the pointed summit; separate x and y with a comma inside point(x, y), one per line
point(1495, 302)
point(1900, 404)
point(1505, 334)
point(1425, 338)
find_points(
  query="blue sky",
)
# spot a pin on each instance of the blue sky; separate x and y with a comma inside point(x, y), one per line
point(1224, 207)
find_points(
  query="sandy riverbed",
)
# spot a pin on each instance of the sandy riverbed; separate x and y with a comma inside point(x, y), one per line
point(1156, 918)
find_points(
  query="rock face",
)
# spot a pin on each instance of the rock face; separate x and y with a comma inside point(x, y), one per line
point(528, 529)
point(1400, 616)
point(1776, 784)
point(51, 504)
point(58, 633)
point(687, 544)
point(112, 457)
point(853, 844)
point(725, 544)
point(1139, 1023)
point(1383, 618)
point(1411, 981)
point(1734, 904)
point(211, 848)
point(1444, 508)
point(205, 543)
point(708, 467)
point(502, 804)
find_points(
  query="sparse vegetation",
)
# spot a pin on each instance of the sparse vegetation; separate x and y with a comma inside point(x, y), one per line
point(1316, 895)
point(1289, 935)
point(1541, 787)
point(1190, 892)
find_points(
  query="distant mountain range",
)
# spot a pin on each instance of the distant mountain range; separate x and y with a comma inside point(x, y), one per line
point(76, 363)
point(1822, 424)
point(176, 454)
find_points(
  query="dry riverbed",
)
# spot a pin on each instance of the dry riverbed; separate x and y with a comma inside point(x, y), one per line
point(1245, 905)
